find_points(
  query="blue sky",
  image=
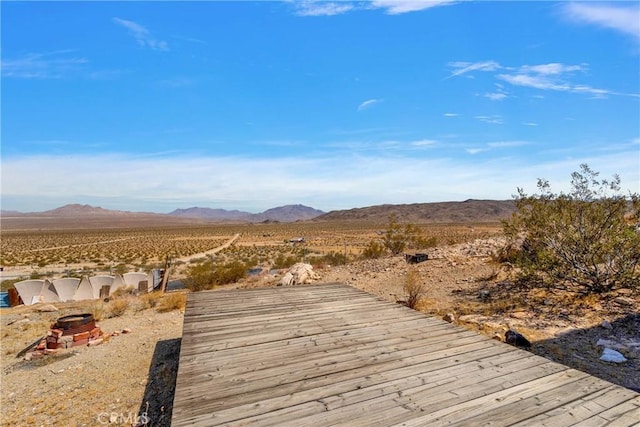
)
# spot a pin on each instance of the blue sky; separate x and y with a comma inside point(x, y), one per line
point(153, 106)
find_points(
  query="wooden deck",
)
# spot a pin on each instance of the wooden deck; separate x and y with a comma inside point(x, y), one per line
point(334, 355)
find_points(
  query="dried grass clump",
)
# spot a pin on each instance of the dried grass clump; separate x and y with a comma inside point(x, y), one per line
point(98, 311)
point(172, 301)
point(117, 307)
point(149, 300)
point(124, 292)
point(414, 288)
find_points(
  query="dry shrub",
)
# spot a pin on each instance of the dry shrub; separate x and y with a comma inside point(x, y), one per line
point(172, 301)
point(124, 292)
point(414, 289)
point(117, 307)
point(149, 300)
point(98, 311)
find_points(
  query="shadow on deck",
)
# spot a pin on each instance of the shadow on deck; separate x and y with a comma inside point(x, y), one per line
point(157, 405)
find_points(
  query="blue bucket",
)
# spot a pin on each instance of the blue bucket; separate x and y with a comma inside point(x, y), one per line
point(4, 299)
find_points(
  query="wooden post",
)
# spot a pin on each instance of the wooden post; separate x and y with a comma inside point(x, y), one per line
point(165, 275)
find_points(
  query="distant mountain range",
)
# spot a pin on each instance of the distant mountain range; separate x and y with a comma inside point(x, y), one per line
point(76, 215)
point(289, 213)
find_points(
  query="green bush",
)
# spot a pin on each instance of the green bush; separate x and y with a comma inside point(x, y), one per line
point(579, 238)
point(200, 277)
point(207, 275)
point(374, 249)
point(230, 272)
point(285, 262)
point(335, 258)
point(5, 285)
point(398, 237)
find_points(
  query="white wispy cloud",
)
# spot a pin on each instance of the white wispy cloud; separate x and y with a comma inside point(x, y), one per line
point(451, 115)
point(142, 35)
point(552, 76)
point(396, 7)
point(424, 143)
point(322, 8)
point(391, 7)
point(368, 104)
point(553, 68)
point(495, 96)
point(529, 124)
point(47, 65)
point(475, 150)
point(624, 18)
point(492, 119)
point(461, 67)
point(534, 81)
point(338, 181)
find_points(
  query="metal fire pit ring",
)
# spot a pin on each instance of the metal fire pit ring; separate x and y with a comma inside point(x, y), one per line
point(75, 323)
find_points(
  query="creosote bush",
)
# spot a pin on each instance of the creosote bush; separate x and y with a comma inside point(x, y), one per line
point(285, 262)
point(580, 238)
point(335, 258)
point(398, 237)
point(208, 275)
point(374, 249)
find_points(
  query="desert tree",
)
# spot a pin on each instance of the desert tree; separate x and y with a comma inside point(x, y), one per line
point(584, 237)
point(398, 236)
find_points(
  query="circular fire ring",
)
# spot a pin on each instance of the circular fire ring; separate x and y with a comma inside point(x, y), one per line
point(76, 323)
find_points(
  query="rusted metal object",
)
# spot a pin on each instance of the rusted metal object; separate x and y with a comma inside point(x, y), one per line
point(75, 324)
point(14, 297)
point(416, 258)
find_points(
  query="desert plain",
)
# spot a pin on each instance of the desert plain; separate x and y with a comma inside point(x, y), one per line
point(130, 378)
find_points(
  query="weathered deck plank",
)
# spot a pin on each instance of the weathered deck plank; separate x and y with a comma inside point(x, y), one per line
point(334, 355)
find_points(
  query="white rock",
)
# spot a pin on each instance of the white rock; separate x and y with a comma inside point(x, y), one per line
point(298, 274)
point(46, 308)
point(612, 356)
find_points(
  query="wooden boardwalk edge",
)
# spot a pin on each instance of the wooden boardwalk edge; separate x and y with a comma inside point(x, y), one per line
point(331, 354)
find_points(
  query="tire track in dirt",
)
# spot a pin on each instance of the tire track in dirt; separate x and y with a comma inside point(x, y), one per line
point(214, 251)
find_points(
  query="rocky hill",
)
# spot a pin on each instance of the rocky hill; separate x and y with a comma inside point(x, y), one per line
point(442, 212)
point(288, 213)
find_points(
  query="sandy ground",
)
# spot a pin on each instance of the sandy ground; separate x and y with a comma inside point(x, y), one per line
point(131, 378)
point(87, 386)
